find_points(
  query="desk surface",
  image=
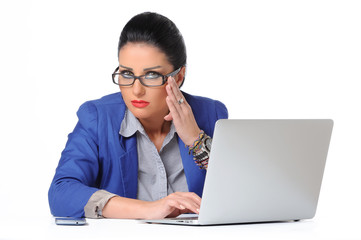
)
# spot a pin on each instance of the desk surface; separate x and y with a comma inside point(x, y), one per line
point(45, 228)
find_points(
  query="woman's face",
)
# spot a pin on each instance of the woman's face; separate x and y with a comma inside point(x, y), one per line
point(146, 103)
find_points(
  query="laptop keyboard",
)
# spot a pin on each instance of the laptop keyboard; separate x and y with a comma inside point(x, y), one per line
point(184, 218)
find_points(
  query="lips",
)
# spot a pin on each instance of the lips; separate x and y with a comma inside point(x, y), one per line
point(139, 103)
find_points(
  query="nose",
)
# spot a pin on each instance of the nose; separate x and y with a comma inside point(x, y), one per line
point(138, 88)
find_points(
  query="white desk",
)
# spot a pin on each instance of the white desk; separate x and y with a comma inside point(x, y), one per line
point(45, 228)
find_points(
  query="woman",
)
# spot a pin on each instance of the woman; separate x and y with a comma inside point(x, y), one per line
point(142, 152)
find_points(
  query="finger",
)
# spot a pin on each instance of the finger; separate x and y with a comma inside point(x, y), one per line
point(168, 117)
point(189, 201)
point(178, 204)
point(196, 198)
point(173, 98)
point(174, 86)
point(190, 195)
point(174, 107)
point(185, 211)
point(185, 205)
point(176, 92)
point(192, 206)
point(174, 111)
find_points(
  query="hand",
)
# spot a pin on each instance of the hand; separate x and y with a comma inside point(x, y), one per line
point(181, 114)
point(174, 204)
point(171, 206)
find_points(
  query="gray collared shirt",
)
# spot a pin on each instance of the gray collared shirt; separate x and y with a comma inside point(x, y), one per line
point(159, 173)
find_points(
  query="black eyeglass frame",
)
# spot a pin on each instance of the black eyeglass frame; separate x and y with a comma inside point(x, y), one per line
point(164, 78)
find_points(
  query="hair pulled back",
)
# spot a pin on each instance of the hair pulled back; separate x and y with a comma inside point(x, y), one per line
point(159, 31)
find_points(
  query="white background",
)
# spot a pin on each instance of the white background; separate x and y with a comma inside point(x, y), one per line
point(263, 59)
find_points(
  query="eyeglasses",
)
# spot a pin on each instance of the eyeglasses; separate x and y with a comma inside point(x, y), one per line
point(150, 79)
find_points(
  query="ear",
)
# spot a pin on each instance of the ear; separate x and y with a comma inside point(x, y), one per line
point(180, 76)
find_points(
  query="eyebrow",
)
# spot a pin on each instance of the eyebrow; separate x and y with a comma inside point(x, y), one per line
point(131, 69)
point(145, 69)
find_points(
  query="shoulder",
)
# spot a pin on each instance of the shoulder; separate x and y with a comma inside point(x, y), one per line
point(206, 105)
point(108, 102)
point(206, 111)
point(102, 111)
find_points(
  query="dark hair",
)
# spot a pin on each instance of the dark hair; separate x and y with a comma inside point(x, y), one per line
point(159, 31)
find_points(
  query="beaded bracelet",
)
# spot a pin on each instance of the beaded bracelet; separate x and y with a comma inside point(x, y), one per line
point(200, 157)
point(202, 163)
point(197, 143)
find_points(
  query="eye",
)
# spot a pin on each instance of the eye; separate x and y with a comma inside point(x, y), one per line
point(152, 75)
point(127, 74)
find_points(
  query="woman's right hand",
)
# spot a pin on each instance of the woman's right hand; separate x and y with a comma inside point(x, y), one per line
point(173, 205)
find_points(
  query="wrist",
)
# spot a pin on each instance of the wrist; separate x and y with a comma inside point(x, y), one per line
point(126, 208)
point(200, 149)
point(196, 140)
point(193, 137)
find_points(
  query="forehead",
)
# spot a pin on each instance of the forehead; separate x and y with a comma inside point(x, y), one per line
point(142, 55)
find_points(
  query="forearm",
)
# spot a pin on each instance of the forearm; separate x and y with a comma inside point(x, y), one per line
point(172, 205)
point(126, 208)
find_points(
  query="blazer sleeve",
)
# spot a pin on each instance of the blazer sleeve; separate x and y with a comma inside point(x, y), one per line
point(76, 176)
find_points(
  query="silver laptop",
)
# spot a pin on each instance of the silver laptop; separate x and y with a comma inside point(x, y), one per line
point(262, 171)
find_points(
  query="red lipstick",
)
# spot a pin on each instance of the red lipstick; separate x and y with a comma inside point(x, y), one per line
point(140, 103)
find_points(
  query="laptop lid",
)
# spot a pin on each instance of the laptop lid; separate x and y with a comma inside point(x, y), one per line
point(265, 170)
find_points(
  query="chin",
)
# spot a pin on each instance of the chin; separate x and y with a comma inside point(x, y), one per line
point(141, 113)
point(144, 113)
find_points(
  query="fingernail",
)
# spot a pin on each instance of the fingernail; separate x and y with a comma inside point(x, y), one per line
point(182, 207)
point(197, 210)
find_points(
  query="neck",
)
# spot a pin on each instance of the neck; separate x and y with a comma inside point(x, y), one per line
point(155, 127)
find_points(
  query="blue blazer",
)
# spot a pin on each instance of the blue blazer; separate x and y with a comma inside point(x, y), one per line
point(97, 157)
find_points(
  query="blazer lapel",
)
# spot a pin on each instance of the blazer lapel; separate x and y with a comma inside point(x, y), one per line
point(129, 166)
point(194, 175)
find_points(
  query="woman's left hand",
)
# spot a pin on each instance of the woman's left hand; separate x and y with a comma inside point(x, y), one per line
point(181, 114)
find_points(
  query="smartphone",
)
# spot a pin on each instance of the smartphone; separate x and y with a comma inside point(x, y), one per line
point(70, 221)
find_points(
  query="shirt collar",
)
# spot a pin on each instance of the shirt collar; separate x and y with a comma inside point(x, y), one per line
point(130, 125)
